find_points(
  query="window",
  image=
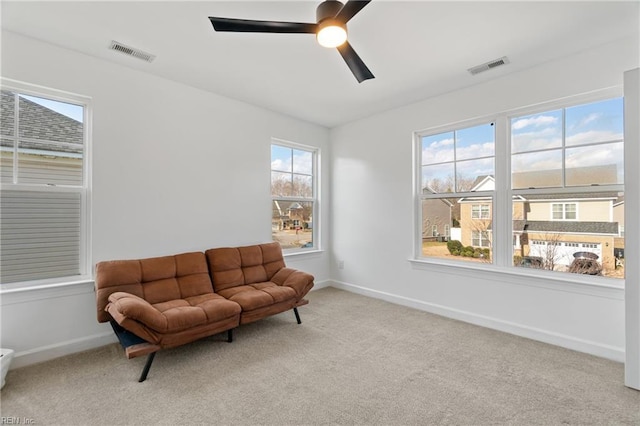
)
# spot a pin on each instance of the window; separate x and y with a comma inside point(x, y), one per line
point(43, 153)
point(563, 161)
point(480, 211)
point(293, 194)
point(557, 196)
point(480, 239)
point(563, 211)
point(456, 191)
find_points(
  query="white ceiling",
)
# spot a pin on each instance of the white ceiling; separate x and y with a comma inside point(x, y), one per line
point(416, 49)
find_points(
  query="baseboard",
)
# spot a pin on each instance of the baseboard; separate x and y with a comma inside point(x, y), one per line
point(49, 352)
point(569, 342)
point(322, 284)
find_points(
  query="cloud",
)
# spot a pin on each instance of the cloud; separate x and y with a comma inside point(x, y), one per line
point(540, 120)
point(441, 143)
point(588, 119)
point(592, 136)
point(477, 150)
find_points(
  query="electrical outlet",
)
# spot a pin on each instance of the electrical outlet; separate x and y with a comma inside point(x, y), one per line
point(341, 264)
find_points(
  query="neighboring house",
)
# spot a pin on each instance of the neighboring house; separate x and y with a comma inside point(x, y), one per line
point(476, 215)
point(290, 215)
point(550, 227)
point(436, 218)
point(618, 216)
point(48, 140)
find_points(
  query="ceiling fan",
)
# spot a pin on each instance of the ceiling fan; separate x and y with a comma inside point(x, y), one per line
point(330, 30)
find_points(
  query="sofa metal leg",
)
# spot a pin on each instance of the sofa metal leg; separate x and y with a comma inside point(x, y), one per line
point(230, 335)
point(295, 311)
point(147, 366)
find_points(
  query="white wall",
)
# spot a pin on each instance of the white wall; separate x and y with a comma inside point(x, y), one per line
point(372, 214)
point(174, 169)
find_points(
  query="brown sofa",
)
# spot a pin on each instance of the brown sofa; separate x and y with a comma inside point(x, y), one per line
point(168, 301)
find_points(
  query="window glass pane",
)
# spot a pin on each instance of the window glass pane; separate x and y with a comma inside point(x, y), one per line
point(302, 162)
point(302, 186)
point(7, 136)
point(292, 223)
point(475, 142)
point(437, 148)
point(281, 158)
point(6, 166)
point(536, 169)
point(51, 142)
point(281, 185)
point(594, 122)
point(459, 236)
point(40, 235)
point(592, 245)
point(472, 175)
point(438, 178)
point(536, 131)
point(601, 164)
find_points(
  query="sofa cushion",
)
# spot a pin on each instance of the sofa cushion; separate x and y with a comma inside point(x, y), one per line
point(259, 295)
point(173, 316)
point(237, 266)
point(156, 280)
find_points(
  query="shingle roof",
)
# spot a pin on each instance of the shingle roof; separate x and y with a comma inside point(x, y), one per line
point(560, 226)
point(41, 128)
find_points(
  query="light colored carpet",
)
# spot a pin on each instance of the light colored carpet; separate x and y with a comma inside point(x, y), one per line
point(354, 360)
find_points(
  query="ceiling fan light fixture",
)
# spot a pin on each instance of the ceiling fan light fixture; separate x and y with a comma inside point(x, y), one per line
point(331, 33)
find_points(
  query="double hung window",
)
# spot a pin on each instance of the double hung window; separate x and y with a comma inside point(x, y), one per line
point(567, 187)
point(456, 191)
point(558, 185)
point(43, 202)
point(294, 196)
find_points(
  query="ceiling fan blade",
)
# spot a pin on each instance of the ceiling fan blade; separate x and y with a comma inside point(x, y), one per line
point(349, 10)
point(252, 26)
point(356, 65)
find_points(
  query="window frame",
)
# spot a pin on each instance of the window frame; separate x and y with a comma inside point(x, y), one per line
point(315, 199)
point(85, 256)
point(502, 211)
point(484, 197)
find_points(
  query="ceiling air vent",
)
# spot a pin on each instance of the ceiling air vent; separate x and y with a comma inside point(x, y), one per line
point(131, 51)
point(488, 65)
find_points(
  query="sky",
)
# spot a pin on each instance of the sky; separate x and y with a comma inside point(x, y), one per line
point(70, 110)
point(593, 136)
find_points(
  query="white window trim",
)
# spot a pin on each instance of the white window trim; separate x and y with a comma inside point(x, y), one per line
point(503, 195)
point(85, 224)
point(316, 179)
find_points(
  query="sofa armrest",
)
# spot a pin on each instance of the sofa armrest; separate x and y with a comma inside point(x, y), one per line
point(300, 281)
point(123, 306)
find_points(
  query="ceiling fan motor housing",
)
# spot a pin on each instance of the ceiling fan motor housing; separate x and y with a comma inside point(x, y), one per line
point(328, 9)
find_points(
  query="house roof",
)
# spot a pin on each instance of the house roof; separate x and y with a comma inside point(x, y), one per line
point(41, 128)
point(572, 196)
point(559, 226)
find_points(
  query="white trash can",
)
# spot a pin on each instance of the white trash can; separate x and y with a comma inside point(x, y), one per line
point(6, 355)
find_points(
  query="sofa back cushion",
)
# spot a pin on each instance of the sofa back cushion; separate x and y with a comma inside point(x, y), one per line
point(156, 280)
point(235, 266)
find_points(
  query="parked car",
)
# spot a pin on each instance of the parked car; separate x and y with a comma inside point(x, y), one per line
point(532, 262)
point(585, 262)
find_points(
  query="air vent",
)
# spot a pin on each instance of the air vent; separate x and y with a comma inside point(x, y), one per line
point(131, 51)
point(489, 65)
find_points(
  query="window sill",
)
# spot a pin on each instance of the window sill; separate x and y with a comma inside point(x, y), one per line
point(22, 292)
point(574, 283)
point(303, 253)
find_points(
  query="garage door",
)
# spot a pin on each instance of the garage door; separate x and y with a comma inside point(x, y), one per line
point(564, 250)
